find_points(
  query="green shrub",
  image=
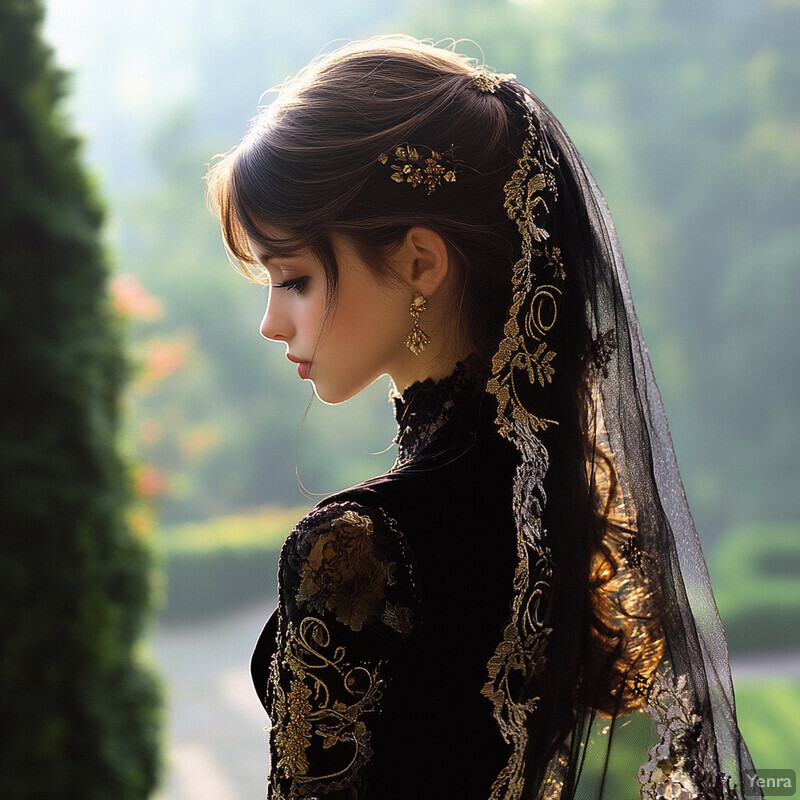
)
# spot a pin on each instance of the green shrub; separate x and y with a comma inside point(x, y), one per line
point(80, 712)
point(756, 576)
point(221, 564)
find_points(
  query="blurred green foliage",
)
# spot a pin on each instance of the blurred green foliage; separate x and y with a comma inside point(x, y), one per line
point(756, 577)
point(768, 711)
point(688, 115)
point(266, 528)
point(80, 709)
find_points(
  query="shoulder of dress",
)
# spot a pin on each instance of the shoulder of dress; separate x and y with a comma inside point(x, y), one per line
point(352, 560)
point(347, 522)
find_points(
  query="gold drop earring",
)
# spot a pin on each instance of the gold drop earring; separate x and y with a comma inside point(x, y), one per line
point(417, 339)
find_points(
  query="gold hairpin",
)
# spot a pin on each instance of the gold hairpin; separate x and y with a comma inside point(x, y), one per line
point(421, 166)
point(486, 81)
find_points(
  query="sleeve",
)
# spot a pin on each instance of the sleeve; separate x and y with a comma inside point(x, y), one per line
point(348, 607)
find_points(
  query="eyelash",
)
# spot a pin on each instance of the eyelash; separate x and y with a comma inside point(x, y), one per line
point(293, 285)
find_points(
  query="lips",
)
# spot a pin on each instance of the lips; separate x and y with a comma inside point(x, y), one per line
point(303, 367)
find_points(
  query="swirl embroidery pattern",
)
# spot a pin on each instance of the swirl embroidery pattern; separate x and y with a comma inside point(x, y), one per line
point(347, 593)
point(524, 355)
point(537, 284)
point(343, 693)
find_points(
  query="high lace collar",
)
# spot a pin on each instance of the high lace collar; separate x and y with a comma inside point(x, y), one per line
point(426, 407)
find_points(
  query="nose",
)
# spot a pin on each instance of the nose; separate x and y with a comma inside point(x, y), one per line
point(274, 324)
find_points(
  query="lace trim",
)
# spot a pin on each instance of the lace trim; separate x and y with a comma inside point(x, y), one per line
point(427, 406)
point(676, 768)
point(537, 285)
point(522, 649)
point(523, 361)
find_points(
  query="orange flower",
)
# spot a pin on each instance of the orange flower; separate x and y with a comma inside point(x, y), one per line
point(150, 482)
point(131, 300)
point(163, 358)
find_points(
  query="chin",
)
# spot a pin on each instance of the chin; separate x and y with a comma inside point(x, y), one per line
point(334, 395)
point(330, 396)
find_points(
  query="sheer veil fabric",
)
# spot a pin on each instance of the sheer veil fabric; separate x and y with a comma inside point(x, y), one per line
point(659, 683)
point(608, 677)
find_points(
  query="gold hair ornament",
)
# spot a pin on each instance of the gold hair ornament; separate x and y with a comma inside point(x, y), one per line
point(421, 166)
point(417, 340)
point(487, 81)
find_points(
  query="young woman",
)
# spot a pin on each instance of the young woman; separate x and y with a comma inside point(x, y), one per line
point(519, 608)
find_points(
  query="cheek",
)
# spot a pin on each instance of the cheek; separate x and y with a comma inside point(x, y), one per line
point(311, 315)
point(370, 322)
point(374, 324)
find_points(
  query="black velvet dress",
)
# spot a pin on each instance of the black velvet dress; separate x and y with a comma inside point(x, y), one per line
point(393, 596)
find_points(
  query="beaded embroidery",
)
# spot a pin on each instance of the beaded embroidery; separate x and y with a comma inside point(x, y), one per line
point(486, 81)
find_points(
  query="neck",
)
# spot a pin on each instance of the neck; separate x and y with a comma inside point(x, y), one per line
point(433, 365)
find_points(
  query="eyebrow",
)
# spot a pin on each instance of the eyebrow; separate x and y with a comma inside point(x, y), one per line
point(265, 259)
point(260, 256)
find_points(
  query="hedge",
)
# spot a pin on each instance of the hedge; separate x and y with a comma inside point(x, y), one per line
point(81, 712)
point(756, 577)
point(222, 564)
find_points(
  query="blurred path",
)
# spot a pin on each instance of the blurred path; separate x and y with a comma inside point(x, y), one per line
point(217, 745)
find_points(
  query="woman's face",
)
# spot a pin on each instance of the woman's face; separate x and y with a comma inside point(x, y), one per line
point(345, 348)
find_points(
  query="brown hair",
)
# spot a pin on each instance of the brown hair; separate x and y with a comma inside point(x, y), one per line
point(309, 167)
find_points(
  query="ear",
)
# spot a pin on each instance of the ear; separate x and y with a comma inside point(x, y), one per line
point(423, 260)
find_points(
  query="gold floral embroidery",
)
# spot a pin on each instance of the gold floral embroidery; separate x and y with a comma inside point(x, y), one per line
point(523, 361)
point(321, 692)
point(399, 618)
point(293, 739)
point(537, 286)
point(345, 574)
point(520, 655)
point(342, 694)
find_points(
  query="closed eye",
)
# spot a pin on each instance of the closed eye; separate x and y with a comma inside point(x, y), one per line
point(293, 284)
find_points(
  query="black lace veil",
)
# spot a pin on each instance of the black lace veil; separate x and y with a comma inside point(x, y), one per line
point(610, 679)
point(648, 710)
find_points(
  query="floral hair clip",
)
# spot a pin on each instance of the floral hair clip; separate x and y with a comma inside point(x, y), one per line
point(486, 81)
point(421, 166)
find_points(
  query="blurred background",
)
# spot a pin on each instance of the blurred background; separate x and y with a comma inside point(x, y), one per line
point(689, 115)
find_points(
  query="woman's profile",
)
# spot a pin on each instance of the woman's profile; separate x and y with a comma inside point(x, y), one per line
point(519, 608)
